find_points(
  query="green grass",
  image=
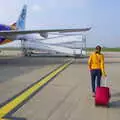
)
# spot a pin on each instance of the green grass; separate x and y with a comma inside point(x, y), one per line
point(106, 49)
point(10, 48)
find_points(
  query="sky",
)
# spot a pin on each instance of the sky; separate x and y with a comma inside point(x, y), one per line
point(102, 15)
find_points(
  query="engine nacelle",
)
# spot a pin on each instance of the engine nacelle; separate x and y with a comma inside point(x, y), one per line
point(44, 34)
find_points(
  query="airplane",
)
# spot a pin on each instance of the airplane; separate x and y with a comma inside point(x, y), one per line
point(17, 31)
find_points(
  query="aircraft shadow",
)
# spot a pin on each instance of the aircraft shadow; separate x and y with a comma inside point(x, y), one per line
point(31, 61)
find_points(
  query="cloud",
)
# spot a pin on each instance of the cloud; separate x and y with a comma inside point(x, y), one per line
point(67, 3)
point(36, 8)
point(58, 4)
point(9, 11)
point(75, 3)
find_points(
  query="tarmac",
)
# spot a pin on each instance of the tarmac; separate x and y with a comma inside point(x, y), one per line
point(66, 97)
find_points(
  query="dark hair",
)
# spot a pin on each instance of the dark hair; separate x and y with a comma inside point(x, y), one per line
point(98, 47)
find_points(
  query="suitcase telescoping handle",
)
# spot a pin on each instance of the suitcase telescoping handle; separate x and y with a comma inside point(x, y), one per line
point(105, 81)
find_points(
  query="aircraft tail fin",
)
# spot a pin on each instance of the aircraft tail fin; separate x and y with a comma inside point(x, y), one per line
point(20, 24)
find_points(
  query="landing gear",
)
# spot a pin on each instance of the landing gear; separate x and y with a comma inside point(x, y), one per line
point(25, 49)
point(26, 52)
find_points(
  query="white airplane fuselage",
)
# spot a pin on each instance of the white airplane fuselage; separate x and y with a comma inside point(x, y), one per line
point(39, 38)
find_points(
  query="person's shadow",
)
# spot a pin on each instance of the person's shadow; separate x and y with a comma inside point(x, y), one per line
point(115, 104)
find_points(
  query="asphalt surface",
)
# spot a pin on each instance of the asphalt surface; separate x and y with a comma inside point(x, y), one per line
point(13, 67)
point(67, 97)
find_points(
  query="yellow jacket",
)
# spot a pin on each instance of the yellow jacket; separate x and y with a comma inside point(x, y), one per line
point(96, 61)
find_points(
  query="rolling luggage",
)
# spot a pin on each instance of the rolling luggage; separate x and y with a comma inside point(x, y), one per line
point(102, 96)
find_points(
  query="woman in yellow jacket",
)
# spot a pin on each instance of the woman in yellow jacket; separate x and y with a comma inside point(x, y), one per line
point(96, 66)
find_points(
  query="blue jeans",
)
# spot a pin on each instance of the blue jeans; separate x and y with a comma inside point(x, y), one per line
point(95, 77)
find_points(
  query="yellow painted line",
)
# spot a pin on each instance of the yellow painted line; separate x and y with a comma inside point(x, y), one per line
point(18, 100)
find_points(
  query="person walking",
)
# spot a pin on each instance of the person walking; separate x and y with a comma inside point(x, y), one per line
point(96, 67)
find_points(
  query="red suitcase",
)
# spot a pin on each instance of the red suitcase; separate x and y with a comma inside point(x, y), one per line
point(102, 96)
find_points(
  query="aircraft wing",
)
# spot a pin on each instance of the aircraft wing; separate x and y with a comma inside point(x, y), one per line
point(21, 32)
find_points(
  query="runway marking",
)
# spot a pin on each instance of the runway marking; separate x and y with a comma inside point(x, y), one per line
point(17, 101)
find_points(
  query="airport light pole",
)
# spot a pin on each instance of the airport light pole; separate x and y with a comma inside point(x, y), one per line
point(85, 45)
point(74, 50)
point(84, 42)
